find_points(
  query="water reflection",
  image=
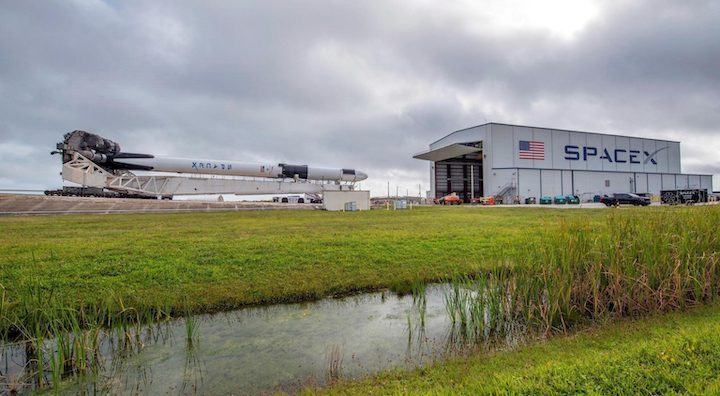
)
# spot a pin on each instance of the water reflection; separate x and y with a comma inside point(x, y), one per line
point(275, 347)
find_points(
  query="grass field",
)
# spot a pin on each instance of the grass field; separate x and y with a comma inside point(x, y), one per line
point(668, 354)
point(548, 270)
point(223, 260)
point(214, 261)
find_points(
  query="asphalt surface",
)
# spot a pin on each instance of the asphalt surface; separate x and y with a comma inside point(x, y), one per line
point(20, 204)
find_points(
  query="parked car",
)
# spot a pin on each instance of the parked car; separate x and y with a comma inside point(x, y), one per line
point(572, 199)
point(559, 200)
point(545, 200)
point(530, 201)
point(293, 199)
point(625, 199)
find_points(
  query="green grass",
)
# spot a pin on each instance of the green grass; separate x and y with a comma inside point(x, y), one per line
point(547, 269)
point(224, 260)
point(634, 264)
point(666, 354)
point(156, 264)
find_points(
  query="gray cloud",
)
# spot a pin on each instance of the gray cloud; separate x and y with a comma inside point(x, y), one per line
point(363, 84)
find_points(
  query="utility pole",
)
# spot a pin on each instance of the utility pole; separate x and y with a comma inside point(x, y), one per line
point(397, 191)
point(388, 189)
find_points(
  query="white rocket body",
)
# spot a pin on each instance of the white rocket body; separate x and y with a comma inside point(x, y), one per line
point(236, 168)
point(107, 153)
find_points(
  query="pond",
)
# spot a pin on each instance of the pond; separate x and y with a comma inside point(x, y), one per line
point(263, 349)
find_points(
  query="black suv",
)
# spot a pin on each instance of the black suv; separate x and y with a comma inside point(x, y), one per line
point(625, 199)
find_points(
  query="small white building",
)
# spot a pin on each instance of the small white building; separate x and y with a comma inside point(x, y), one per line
point(521, 161)
point(346, 200)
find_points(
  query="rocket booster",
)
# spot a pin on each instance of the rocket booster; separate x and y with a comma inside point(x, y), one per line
point(229, 168)
point(107, 154)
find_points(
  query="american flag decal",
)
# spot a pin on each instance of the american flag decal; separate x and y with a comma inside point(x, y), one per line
point(531, 149)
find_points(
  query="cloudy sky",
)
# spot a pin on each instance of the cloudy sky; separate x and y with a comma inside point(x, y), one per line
point(361, 84)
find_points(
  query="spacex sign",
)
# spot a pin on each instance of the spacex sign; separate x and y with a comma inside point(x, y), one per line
point(582, 153)
point(571, 150)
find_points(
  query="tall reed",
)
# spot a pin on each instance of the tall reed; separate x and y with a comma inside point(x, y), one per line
point(638, 262)
point(334, 359)
point(61, 342)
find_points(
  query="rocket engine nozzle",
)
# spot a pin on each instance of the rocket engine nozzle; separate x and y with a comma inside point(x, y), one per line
point(91, 146)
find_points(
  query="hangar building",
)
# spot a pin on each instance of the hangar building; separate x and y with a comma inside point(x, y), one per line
point(512, 160)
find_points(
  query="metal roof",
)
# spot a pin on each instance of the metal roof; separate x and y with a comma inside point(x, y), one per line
point(446, 152)
point(555, 129)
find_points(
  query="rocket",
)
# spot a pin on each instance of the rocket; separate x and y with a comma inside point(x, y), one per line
point(153, 163)
point(107, 154)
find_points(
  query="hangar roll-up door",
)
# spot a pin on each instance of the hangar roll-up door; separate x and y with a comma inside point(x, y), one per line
point(458, 176)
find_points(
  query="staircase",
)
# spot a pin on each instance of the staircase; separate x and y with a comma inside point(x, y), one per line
point(504, 191)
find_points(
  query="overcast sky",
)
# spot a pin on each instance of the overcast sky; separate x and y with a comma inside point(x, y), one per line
point(361, 84)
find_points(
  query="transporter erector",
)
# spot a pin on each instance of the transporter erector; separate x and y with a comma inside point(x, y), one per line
point(93, 161)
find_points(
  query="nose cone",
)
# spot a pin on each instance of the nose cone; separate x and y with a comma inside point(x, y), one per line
point(360, 176)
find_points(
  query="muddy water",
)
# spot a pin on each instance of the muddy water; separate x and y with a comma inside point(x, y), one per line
point(282, 347)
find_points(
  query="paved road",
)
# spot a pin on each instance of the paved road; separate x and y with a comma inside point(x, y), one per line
point(11, 204)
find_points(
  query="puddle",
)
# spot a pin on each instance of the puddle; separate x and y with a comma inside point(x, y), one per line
point(259, 350)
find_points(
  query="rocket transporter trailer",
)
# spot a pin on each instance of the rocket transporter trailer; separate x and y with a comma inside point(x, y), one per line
point(93, 161)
